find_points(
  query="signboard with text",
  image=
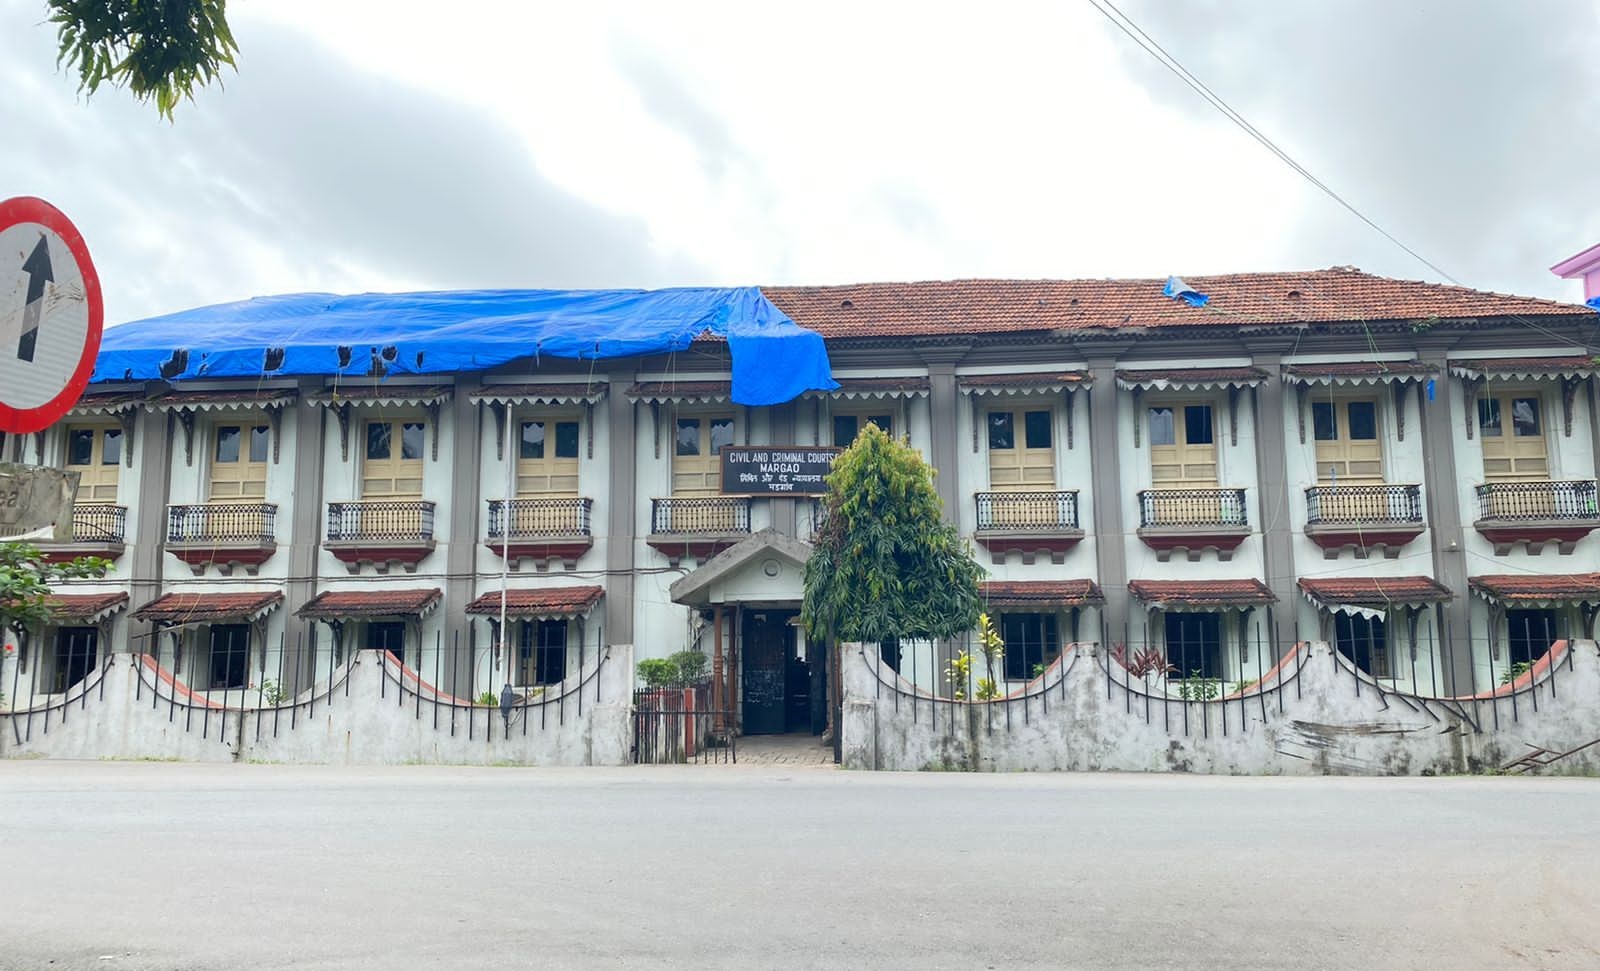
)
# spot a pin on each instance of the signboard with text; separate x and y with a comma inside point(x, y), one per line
point(759, 470)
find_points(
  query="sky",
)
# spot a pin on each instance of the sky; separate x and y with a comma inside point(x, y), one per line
point(377, 145)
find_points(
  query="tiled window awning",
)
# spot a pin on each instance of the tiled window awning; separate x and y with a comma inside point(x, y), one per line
point(86, 608)
point(108, 403)
point(539, 602)
point(1538, 590)
point(345, 604)
point(205, 608)
point(1041, 594)
point(221, 399)
point(1022, 383)
point(1371, 596)
point(1190, 379)
point(1201, 594)
point(1361, 372)
point(383, 395)
point(551, 393)
point(663, 391)
point(875, 388)
point(1524, 368)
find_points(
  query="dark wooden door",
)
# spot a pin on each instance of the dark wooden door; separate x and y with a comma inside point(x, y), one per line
point(766, 657)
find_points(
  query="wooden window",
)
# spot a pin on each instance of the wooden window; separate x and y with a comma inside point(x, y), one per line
point(1529, 634)
point(542, 652)
point(1032, 644)
point(1022, 453)
point(1183, 448)
point(847, 426)
point(95, 453)
point(229, 665)
point(1194, 645)
point(1365, 641)
point(1511, 428)
point(1349, 448)
point(393, 465)
point(76, 651)
point(696, 457)
point(547, 457)
point(388, 636)
point(239, 462)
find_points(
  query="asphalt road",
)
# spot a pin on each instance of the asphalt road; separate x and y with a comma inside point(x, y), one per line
point(166, 866)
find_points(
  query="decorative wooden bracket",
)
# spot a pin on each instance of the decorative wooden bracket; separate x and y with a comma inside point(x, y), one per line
point(186, 419)
point(977, 419)
point(655, 426)
point(432, 408)
point(499, 410)
point(1068, 406)
point(341, 411)
point(127, 418)
point(1470, 388)
point(1138, 416)
point(1398, 389)
point(588, 428)
point(1569, 390)
point(275, 416)
point(1300, 410)
point(1233, 414)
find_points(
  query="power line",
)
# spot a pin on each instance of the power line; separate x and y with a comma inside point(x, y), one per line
point(1124, 23)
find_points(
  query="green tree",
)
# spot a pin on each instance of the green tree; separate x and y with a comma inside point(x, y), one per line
point(886, 565)
point(25, 578)
point(161, 50)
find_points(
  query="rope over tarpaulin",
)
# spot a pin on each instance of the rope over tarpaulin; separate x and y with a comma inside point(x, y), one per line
point(774, 359)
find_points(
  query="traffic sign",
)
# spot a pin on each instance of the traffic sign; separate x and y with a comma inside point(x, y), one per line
point(51, 314)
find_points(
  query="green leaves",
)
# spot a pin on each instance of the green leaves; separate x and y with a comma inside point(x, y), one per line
point(885, 564)
point(161, 50)
point(25, 580)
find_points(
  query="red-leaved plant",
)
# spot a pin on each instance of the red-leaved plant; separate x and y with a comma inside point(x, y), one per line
point(1143, 663)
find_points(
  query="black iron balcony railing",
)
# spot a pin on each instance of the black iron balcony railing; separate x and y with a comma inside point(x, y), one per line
point(531, 518)
point(222, 522)
point(99, 523)
point(1537, 501)
point(705, 514)
point(1364, 504)
point(381, 520)
point(1191, 507)
point(1019, 511)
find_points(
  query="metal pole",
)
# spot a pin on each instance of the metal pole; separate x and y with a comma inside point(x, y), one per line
point(505, 535)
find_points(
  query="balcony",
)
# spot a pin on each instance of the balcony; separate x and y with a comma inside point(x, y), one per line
point(1029, 523)
point(382, 532)
point(1193, 520)
point(541, 530)
point(1363, 518)
point(227, 535)
point(98, 529)
point(1536, 513)
point(700, 527)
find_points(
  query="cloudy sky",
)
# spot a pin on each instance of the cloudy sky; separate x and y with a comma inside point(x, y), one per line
point(382, 145)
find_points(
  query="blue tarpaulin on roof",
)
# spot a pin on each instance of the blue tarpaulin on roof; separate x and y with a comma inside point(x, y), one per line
point(774, 359)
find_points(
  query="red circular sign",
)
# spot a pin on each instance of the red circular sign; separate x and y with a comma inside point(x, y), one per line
point(51, 315)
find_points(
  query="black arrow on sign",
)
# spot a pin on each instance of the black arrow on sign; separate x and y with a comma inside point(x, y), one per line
point(37, 266)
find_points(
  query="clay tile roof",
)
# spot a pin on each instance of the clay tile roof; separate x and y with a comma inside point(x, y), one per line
point(1525, 365)
point(222, 398)
point(1535, 588)
point(539, 602)
point(108, 401)
point(1375, 590)
point(1360, 369)
point(86, 607)
point(681, 389)
point(201, 608)
point(1040, 593)
point(1202, 593)
point(949, 307)
point(1041, 379)
point(854, 386)
point(336, 604)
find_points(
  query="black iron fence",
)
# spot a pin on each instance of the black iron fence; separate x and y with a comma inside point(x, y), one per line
point(381, 520)
point(1019, 511)
point(224, 522)
point(1573, 499)
point(678, 725)
point(701, 514)
point(1380, 504)
point(1192, 507)
point(545, 516)
point(99, 523)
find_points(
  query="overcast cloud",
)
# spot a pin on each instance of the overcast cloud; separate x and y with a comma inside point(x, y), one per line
point(373, 145)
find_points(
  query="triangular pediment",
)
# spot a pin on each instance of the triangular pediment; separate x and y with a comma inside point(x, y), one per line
point(771, 564)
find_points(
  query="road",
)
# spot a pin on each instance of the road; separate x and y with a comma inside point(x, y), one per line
point(168, 866)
